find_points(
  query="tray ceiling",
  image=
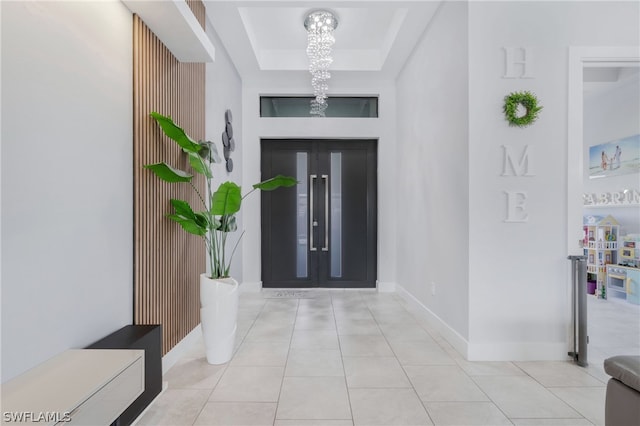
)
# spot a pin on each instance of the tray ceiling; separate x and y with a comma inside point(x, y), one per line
point(373, 39)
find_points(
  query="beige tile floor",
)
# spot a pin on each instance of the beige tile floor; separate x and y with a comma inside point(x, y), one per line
point(335, 358)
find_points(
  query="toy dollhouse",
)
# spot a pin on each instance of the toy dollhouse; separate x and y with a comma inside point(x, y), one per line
point(600, 243)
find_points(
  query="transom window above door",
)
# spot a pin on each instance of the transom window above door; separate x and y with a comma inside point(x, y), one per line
point(339, 106)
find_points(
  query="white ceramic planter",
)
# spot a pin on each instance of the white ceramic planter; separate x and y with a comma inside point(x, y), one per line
point(218, 317)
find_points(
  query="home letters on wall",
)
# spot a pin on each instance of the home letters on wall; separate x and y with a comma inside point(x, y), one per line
point(518, 62)
point(517, 163)
point(516, 166)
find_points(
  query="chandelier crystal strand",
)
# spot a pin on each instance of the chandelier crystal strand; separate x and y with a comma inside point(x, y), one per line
point(320, 26)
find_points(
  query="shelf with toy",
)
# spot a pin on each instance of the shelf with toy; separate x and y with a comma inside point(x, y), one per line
point(600, 243)
point(629, 251)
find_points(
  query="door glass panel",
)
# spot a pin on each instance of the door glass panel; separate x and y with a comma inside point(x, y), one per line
point(302, 214)
point(335, 248)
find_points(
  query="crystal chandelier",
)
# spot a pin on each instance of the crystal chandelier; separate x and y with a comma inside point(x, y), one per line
point(320, 25)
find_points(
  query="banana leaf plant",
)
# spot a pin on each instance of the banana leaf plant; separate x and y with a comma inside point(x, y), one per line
point(215, 218)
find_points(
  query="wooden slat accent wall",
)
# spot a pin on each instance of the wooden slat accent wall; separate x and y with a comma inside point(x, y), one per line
point(167, 260)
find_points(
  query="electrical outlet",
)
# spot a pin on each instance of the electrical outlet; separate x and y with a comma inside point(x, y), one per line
point(433, 288)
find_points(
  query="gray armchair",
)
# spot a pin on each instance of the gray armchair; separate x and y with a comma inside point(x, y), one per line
point(622, 406)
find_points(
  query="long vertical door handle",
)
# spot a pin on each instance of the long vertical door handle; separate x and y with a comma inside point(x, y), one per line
point(312, 223)
point(326, 212)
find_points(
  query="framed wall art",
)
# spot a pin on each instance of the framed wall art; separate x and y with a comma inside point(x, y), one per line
point(615, 158)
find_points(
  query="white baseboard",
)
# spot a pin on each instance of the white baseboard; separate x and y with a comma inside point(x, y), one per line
point(251, 286)
point(452, 336)
point(490, 351)
point(386, 287)
point(518, 351)
point(383, 287)
point(180, 349)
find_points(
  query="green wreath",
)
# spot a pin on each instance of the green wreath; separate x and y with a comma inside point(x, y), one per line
point(529, 101)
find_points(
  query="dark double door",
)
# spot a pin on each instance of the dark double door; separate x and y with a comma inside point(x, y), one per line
point(323, 232)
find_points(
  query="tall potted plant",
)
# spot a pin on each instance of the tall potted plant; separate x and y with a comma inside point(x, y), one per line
point(213, 221)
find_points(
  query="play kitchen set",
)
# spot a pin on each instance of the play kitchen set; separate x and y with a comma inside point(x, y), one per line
point(613, 260)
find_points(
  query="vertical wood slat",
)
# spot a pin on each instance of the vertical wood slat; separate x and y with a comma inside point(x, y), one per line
point(167, 260)
point(198, 9)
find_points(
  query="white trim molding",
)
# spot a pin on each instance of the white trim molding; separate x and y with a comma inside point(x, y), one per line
point(456, 340)
point(517, 351)
point(486, 351)
point(178, 351)
point(386, 287)
point(252, 287)
point(173, 22)
point(579, 58)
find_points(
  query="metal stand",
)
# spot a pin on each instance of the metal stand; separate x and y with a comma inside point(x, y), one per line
point(579, 309)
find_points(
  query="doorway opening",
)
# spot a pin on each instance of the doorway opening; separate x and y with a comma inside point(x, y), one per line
point(604, 111)
point(323, 232)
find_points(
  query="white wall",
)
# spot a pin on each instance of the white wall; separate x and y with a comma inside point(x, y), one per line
point(609, 115)
point(67, 180)
point(518, 271)
point(433, 177)
point(382, 129)
point(224, 91)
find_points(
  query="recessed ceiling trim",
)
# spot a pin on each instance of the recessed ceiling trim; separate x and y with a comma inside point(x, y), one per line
point(356, 60)
point(248, 29)
point(392, 33)
point(600, 62)
point(601, 74)
point(267, 41)
point(344, 60)
point(282, 59)
point(597, 81)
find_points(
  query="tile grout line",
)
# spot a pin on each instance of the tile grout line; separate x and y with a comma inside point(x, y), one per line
point(437, 340)
point(526, 374)
point(548, 388)
point(461, 369)
point(370, 303)
point(346, 385)
point(286, 361)
point(570, 405)
point(400, 364)
point(457, 364)
point(495, 404)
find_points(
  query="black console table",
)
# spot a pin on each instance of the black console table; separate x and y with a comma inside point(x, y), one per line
point(149, 338)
